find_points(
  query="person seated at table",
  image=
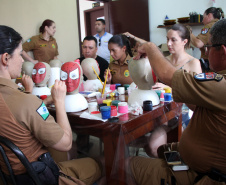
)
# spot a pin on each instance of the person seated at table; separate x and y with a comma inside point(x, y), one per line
point(202, 144)
point(89, 50)
point(25, 120)
point(178, 40)
point(92, 83)
point(120, 51)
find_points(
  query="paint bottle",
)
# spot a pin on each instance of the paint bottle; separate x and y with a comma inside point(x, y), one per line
point(162, 98)
point(105, 112)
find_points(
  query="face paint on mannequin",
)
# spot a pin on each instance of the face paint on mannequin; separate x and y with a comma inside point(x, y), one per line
point(38, 73)
point(70, 74)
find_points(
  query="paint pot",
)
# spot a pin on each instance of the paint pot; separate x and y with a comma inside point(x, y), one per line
point(147, 105)
point(92, 106)
point(113, 110)
point(121, 90)
point(167, 89)
point(122, 107)
point(112, 87)
point(117, 85)
point(101, 105)
point(168, 97)
point(115, 102)
point(105, 112)
point(126, 86)
point(158, 92)
point(107, 101)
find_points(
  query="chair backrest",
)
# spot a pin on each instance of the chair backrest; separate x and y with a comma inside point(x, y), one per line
point(30, 170)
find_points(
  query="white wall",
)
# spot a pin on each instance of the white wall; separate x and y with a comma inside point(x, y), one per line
point(26, 16)
point(174, 9)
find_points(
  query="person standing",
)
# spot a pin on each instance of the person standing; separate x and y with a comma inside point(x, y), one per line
point(102, 38)
point(210, 17)
point(44, 45)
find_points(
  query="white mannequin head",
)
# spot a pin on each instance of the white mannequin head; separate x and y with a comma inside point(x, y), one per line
point(141, 73)
point(87, 69)
point(55, 71)
point(27, 68)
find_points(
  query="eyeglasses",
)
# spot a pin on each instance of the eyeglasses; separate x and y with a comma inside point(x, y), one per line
point(99, 42)
point(207, 47)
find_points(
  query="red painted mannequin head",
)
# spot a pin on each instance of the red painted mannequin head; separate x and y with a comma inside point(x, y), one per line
point(71, 74)
point(41, 74)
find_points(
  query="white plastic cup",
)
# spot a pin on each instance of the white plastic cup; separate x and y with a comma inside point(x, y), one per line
point(92, 106)
point(121, 90)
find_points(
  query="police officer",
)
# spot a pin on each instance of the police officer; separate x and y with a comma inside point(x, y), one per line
point(210, 17)
point(202, 145)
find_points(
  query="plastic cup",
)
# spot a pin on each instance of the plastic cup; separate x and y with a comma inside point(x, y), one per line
point(100, 98)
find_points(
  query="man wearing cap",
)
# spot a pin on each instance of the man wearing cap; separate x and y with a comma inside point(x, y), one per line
point(102, 38)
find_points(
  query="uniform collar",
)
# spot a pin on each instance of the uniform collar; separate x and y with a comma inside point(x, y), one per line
point(8, 83)
point(41, 37)
point(125, 62)
point(214, 20)
point(222, 72)
point(105, 33)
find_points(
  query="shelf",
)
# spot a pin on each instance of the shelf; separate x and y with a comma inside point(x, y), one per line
point(186, 24)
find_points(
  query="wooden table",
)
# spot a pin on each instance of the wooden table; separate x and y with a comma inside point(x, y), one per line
point(116, 136)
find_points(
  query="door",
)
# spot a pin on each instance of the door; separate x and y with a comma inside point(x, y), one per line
point(90, 17)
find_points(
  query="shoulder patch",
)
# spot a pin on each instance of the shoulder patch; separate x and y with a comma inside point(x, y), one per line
point(204, 30)
point(208, 76)
point(43, 111)
point(28, 40)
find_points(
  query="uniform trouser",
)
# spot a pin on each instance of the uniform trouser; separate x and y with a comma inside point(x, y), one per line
point(84, 169)
point(148, 171)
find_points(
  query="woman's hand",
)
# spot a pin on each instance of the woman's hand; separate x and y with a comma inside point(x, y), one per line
point(58, 91)
point(141, 52)
point(27, 83)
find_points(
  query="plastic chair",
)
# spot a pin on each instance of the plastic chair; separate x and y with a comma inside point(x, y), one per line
point(30, 170)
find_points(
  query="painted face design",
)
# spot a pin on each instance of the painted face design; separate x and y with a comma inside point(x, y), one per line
point(39, 72)
point(70, 74)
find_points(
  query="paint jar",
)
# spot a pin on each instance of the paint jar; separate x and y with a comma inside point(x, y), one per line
point(107, 101)
point(105, 112)
point(122, 107)
point(101, 105)
point(168, 97)
point(162, 97)
point(121, 90)
point(158, 92)
point(115, 102)
point(113, 110)
point(117, 85)
point(92, 106)
point(147, 105)
point(112, 87)
point(167, 90)
point(126, 86)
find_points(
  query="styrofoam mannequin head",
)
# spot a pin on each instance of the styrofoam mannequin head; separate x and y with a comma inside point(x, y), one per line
point(27, 68)
point(141, 73)
point(71, 74)
point(41, 74)
point(55, 71)
point(55, 63)
point(87, 69)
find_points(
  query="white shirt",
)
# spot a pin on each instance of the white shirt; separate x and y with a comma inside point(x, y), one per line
point(102, 44)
